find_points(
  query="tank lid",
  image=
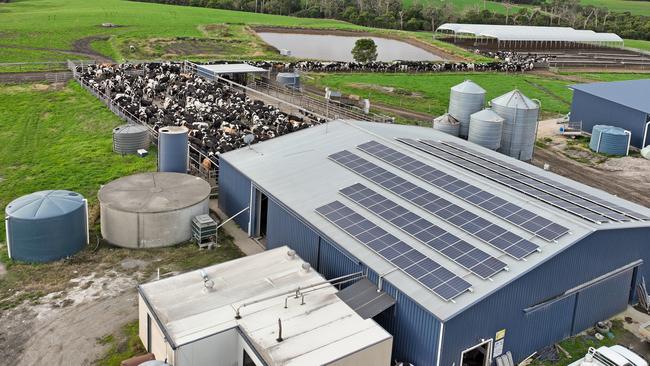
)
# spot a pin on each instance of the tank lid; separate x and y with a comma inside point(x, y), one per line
point(44, 204)
point(610, 130)
point(487, 115)
point(446, 118)
point(515, 99)
point(173, 130)
point(129, 128)
point(468, 87)
point(154, 192)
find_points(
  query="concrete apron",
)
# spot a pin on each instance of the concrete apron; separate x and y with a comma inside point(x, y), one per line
point(245, 243)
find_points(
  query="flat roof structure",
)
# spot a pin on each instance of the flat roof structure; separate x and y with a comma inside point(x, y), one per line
point(309, 170)
point(220, 69)
point(507, 33)
point(320, 331)
point(629, 93)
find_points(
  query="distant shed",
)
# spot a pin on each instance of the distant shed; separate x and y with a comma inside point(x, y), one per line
point(623, 104)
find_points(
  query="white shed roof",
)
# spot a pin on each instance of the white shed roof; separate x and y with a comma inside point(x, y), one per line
point(231, 68)
point(530, 33)
point(319, 332)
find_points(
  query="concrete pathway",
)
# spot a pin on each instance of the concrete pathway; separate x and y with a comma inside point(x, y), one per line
point(242, 240)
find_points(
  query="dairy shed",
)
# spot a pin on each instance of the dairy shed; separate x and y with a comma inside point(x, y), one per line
point(482, 253)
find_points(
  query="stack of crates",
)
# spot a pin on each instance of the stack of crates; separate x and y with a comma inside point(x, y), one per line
point(204, 231)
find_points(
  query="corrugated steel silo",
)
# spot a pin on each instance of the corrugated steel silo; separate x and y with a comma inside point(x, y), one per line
point(485, 129)
point(288, 79)
point(609, 140)
point(520, 115)
point(173, 149)
point(447, 124)
point(151, 210)
point(47, 225)
point(465, 99)
point(127, 139)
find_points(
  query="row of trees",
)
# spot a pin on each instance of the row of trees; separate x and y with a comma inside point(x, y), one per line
point(426, 15)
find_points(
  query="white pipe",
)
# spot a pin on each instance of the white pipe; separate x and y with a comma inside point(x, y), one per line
point(600, 136)
point(629, 139)
point(645, 132)
point(7, 235)
point(381, 277)
point(232, 217)
point(250, 212)
point(442, 330)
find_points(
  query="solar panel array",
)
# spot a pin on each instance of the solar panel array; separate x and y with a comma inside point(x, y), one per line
point(432, 275)
point(569, 199)
point(525, 219)
point(445, 243)
point(498, 237)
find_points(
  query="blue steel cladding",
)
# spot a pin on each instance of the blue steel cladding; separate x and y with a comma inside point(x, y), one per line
point(525, 332)
point(234, 192)
point(284, 229)
point(593, 110)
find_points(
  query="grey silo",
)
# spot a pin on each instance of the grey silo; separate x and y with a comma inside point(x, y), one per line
point(127, 139)
point(173, 149)
point(465, 99)
point(288, 79)
point(609, 140)
point(520, 115)
point(485, 129)
point(151, 210)
point(446, 124)
point(47, 225)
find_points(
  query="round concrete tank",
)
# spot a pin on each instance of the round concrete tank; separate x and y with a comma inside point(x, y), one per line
point(609, 140)
point(288, 79)
point(173, 149)
point(446, 124)
point(485, 129)
point(47, 225)
point(465, 99)
point(151, 210)
point(520, 116)
point(127, 139)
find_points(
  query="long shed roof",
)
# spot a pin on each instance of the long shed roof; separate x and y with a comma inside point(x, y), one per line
point(296, 171)
point(629, 93)
point(530, 33)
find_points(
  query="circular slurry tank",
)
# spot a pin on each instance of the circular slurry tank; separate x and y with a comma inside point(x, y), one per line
point(47, 225)
point(151, 210)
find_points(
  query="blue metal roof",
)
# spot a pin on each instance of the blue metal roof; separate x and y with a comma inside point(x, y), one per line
point(629, 93)
point(44, 204)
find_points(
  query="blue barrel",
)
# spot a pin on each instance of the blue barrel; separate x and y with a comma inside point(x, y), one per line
point(47, 225)
point(609, 140)
point(173, 149)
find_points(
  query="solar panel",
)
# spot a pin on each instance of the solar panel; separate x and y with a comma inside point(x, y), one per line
point(432, 275)
point(546, 190)
point(511, 244)
point(542, 227)
point(458, 250)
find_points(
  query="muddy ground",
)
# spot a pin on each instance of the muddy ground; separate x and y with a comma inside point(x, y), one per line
point(627, 177)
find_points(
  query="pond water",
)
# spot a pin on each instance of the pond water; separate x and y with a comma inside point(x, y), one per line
point(338, 48)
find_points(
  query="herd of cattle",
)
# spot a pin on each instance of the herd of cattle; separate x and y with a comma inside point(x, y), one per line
point(518, 63)
point(217, 115)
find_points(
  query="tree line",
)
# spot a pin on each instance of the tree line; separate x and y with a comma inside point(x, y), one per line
point(425, 15)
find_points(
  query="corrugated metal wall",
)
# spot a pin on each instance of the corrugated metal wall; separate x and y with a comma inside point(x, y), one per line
point(234, 192)
point(283, 228)
point(334, 262)
point(415, 331)
point(592, 110)
point(596, 255)
point(616, 290)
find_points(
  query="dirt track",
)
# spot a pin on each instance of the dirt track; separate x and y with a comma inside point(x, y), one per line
point(80, 47)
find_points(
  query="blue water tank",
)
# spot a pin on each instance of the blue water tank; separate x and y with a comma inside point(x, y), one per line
point(609, 140)
point(47, 225)
point(173, 149)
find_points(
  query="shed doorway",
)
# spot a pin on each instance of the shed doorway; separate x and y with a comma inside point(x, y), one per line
point(479, 355)
point(261, 214)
